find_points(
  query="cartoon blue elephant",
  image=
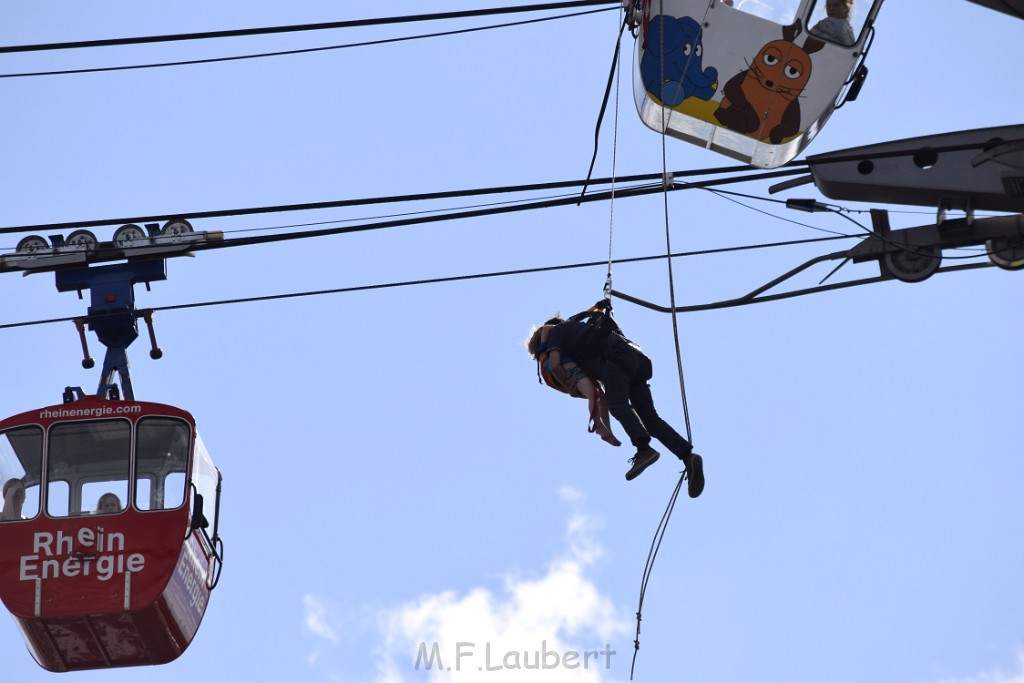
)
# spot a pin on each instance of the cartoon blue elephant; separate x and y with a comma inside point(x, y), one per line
point(671, 65)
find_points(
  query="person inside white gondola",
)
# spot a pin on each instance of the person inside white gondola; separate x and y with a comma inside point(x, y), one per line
point(836, 26)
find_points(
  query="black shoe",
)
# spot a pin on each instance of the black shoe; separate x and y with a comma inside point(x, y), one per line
point(643, 459)
point(695, 476)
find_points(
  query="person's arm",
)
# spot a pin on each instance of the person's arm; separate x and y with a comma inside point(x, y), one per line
point(586, 388)
point(554, 341)
point(555, 365)
point(576, 381)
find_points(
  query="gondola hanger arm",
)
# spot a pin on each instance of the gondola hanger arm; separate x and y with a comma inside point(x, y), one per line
point(757, 296)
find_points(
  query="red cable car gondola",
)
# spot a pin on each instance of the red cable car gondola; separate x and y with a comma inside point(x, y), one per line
point(112, 555)
point(109, 543)
point(751, 79)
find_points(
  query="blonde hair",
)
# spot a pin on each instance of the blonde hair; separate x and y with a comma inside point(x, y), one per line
point(533, 340)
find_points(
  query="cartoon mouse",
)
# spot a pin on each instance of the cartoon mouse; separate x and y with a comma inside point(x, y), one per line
point(671, 65)
point(763, 101)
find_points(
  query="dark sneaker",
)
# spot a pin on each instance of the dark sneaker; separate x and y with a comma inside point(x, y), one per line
point(643, 459)
point(695, 476)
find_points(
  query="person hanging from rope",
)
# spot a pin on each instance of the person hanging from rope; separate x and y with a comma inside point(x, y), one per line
point(576, 382)
point(597, 344)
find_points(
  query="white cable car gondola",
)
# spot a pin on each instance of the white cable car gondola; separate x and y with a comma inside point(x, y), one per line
point(748, 78)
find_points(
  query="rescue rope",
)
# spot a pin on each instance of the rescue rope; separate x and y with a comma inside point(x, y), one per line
point(659, 533)
point(607, 293)
point(604, 105)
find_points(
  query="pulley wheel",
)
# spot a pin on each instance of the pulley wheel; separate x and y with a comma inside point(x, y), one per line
point(176, 228)
point(913, 264)
point(81, 240)
point(128, 236)
point(31, 245)
point(1006, 252)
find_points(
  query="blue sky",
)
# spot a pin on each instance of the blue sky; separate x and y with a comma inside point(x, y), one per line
point(394, 475)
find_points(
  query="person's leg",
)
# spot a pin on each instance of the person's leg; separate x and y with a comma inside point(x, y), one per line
point(617, 377)
point(589, 389)
point(643, 404)
point(602, 414)
point(619, 369)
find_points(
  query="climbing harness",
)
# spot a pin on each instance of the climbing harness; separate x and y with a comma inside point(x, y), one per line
point(600, 317)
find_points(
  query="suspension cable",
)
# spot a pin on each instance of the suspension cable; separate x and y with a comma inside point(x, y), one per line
point(462, 278)
point(354, 23)
point(298, 51)
point(744, 175)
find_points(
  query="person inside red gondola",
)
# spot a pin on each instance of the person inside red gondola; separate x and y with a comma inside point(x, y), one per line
point(14, 499)
point(108, 504)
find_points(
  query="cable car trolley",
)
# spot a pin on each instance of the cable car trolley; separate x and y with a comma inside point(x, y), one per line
point(752, 79)
point(109, 542)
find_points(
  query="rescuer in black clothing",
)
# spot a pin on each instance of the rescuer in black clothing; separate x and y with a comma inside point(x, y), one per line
point(603, 352)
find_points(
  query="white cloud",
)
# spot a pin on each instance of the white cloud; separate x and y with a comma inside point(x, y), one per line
point(316, 619)
point(570, 494)
point(994, 676)
point(558, 623)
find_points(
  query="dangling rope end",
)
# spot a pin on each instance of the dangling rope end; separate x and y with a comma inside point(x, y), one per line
point(632, 667)
point(636, 645)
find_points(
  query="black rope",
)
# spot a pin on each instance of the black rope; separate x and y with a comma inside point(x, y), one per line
point(604, 104)
point(652, 554)
point(659, 534)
